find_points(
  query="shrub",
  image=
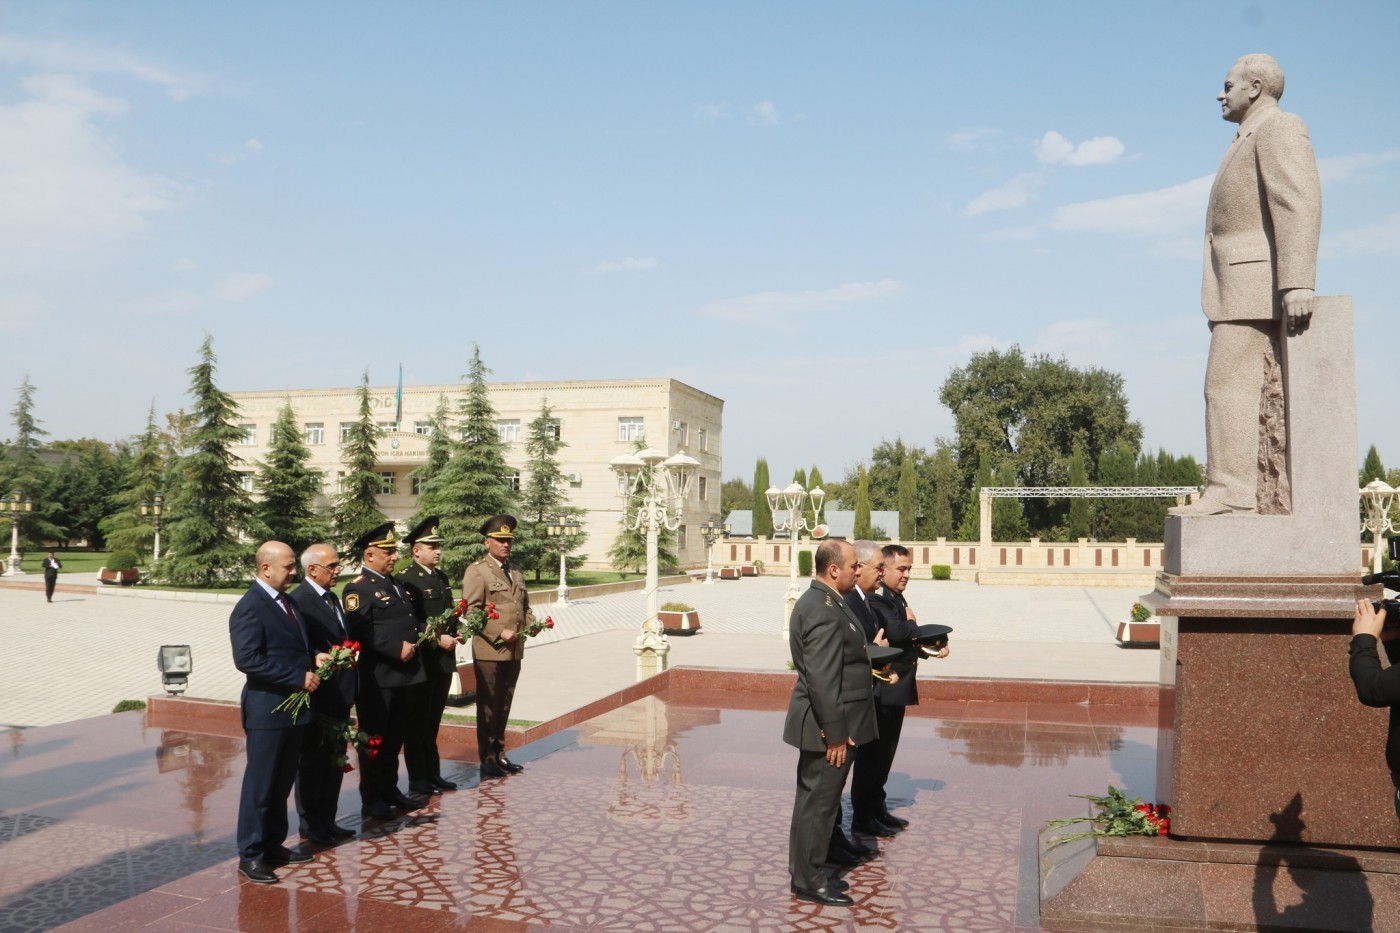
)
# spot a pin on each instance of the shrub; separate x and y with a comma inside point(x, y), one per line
point(942, 572)
point(126, 706)
point(1141, 613)
point(123, 560)
point(759, 565)
point(676, 607)
point(804, 563)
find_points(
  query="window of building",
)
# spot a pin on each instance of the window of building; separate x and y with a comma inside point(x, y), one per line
point(314, 432)
point(386, 426)
point(424, 428)
point(245, 480)
point(682, 433)
point(415, 485)
point(701, 490)
point(340, 482)
point(513, 480)
point(386, 483)
point(250, 435)
point(345, 428)
point(509, 430)
point(555, 431)
point(702, 439)
point(631, 429)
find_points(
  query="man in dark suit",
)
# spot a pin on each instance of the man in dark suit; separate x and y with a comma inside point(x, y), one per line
point(891, 699)
point(271, 648)
point(318, 775)
point(431, 594)
point(391, 674)
point(830, 712)
point(51, 568)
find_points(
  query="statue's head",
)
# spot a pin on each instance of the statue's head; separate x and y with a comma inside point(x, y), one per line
point(1251, 78)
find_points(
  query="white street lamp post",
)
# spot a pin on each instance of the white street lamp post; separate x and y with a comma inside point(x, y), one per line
point(17, 503)
point(563, 526)
point(662, 483)
point(154, 510)
point(796, 498)
point(1378, 495)
point(711, 532)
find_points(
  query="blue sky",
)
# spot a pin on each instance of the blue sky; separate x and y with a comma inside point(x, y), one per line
point(812, 211)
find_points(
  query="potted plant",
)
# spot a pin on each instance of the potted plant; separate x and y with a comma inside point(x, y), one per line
point(120, 570)
point(678, 619)
point(1141, 629)
point(758, 567)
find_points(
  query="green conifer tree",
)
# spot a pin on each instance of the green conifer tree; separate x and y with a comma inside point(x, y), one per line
point(908, 500)
point(629, 548)
point(208, 509)
point(439, 450)
point(1008, 515)
point(355, 509)
point(545, 498)
point(288, 487)
point(762, 515)
point(28, 474)
point(971, 527)
point(863, 530)
point(814, 478)
point(126, 529)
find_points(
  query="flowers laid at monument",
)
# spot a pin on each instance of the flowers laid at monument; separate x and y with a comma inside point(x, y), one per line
point(1118, 815)
point(342, 656)
point(441, 624)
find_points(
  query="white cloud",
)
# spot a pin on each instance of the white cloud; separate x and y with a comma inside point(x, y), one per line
point(1055, 149)
point(1167, 212)
point(973, 138)
point(239, 286)
point(774, 305)
point(711, 111)
point(53, 55)
point(1015, 193)
point(247, 150)
point(765, 113)
point(64, 185)
point(183, 265)
point(1354, 167)
point(1379, 238)
point(630, 264)
point(1009, 235)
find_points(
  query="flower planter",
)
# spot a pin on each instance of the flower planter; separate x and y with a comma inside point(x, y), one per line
point(128, 577)
point(749, 570)
point(1140, 634)
point(729, 573)
point(679, 623)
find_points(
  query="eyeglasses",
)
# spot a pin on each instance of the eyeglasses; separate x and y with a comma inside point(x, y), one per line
point(335, 566)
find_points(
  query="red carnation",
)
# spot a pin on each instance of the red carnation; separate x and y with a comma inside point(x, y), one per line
point(549, 621)
point(347, 768)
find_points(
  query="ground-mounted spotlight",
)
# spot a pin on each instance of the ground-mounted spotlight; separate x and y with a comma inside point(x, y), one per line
point(175, 663)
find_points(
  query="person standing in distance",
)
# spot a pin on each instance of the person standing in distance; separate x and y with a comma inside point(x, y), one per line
point(51, 568)
point(319, 777)
point(431, 594)
point(271, 649)
point(497, 666)
point(391, 674)
point(831, 711)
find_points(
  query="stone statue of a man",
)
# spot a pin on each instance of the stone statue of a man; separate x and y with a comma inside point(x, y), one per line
point(1262, 229)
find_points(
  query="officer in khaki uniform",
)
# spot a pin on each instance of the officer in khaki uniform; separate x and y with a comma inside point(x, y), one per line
point(497, 666)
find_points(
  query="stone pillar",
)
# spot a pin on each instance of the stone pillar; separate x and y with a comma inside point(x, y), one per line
point(984, 536)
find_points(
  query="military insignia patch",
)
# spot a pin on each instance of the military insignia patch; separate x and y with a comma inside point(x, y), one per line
point(352, 601)
point(830, 603)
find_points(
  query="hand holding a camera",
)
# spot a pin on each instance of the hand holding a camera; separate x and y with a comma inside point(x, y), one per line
point(1369, 619)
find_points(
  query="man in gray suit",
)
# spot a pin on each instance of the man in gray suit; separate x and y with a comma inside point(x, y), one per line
point(832, 710)
point(1262, 228)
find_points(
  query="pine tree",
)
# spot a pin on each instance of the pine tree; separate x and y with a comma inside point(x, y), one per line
point(762, 515)
point(125, 528)
point(1080, 510)
point(800, 477)
point(28, 474)
point(288, 488)
point(356, 507)
point(1371, 468)
point(814, 476)
point(908, 501)
point(945, 482)
point(1008, 515)
point(208, 508)
point(863, 530)
point(971, 527)
point(473, 486)
point(544, 498)
point(1113, 517)
point(439, 450)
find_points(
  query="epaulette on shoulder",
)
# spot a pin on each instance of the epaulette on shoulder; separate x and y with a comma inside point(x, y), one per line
point(358, 579)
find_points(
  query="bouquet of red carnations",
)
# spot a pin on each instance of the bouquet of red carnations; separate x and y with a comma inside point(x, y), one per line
point(342, 656)
point(535, 627)
point(339, 735)
point(1119, 816)
point(475, 621)
point(441, 624)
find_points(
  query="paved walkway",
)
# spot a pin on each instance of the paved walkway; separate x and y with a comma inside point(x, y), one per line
point(80, 655)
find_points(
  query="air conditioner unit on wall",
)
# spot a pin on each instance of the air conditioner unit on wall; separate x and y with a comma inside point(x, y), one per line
point(575, 478)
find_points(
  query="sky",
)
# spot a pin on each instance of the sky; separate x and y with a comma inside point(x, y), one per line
point(812, 211)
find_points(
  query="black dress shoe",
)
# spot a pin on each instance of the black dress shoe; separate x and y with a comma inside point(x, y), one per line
point(339, 833)
point(509, 765)
point(843, 858)
point(377, 811)
point(864, 851)
point(405, 802)
point(318, 837)
point(256, 871)
point(489, 769)
point(442, 783)
point(889, 819)
point(823, 895)
point(838, 884)
point(287, 857)
point(873, 828)
point(422, 788)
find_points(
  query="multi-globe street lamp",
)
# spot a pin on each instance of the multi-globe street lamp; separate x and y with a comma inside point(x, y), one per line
point(711, 532)
point(1377, 495)
point(565, 527)
point(654, 488)
point(16, 505)
point(795, 499)
point(153, 510)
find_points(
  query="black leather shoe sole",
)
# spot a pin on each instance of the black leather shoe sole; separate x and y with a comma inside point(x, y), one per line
point(257, 872)
point(824, 896)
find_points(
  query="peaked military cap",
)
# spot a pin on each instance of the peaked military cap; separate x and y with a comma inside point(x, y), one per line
point(426, 532)
point(501, 527)
point(381, 536)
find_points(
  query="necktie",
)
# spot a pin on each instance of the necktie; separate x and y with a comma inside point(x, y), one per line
point(287, 605)
point(335, 607)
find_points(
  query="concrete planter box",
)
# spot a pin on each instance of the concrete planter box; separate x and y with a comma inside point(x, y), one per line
point(729, 573)
point(749, 570)
point(1140, 634)
point(679, 623)
point(119, 577)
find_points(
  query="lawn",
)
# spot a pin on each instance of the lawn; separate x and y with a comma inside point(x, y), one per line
point(72, 561)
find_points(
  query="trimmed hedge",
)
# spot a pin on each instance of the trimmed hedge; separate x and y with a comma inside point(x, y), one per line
point(942, 572)
point(804, 563)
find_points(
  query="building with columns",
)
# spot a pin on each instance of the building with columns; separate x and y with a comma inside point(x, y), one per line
point(597, 420)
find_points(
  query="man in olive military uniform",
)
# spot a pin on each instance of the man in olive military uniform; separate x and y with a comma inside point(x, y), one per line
point(381, 618)
point(431, 594)
point(497, 666)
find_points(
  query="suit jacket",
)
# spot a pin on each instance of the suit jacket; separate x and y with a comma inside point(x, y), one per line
point(832, 700)
point(51, 566)
point(891, 609)
point(274, 655)
point(485, 583)
point(323, 629)
point(430, 592)
point(1264, 218)
point(381, 620)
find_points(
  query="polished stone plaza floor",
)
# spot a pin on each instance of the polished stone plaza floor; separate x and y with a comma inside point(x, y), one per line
point(667, 813)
